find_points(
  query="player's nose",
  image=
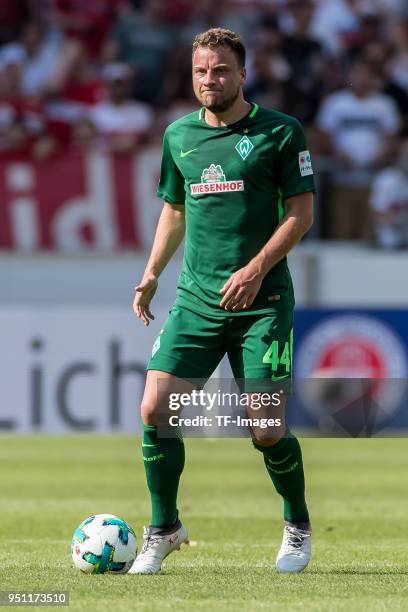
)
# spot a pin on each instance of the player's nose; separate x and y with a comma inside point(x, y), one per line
point(209, 79)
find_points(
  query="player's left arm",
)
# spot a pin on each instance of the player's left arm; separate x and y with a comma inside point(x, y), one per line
point(242, 287)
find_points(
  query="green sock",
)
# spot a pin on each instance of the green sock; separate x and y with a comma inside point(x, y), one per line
point(164, 463)
point(285, 467)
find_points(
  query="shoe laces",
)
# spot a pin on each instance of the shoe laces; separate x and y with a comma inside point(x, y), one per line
point(294, 538)
point(150, 541)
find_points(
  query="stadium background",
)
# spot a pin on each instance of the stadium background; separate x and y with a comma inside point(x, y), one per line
point(86, 89)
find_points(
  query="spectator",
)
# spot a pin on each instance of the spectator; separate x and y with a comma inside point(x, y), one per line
point(370, 30)
point(377, 55)
point(85, 26)
point(383, 8)
point(360, 125)
point(299, 54)
point(305, 57)
point(242, 17)
point(13, 15)
point(389, 204)
point(23, 124)
point(86, 21)
point(267, 87)
point(122, 122)
point(143, 39)
point(177, 90)
point(399, 63)
point(179, 11)
point(333, 21)
point(37, 53)
point(269, 71)
point(82, 89)
point(359, 121)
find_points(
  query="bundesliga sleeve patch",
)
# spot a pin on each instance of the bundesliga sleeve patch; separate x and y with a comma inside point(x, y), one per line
point(305, 163)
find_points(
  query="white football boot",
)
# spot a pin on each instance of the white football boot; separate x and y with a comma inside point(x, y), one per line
point(156, 548)
point(295, 551)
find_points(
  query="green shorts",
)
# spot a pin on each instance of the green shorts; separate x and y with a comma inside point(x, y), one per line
point(191, 345)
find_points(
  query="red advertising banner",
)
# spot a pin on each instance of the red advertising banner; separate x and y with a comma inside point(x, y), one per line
point(79, 202)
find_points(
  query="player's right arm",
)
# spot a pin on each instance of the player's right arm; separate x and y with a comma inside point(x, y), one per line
point(169, 234)
point(170, 229)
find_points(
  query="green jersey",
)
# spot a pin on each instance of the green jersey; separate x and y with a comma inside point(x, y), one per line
point(233, 181)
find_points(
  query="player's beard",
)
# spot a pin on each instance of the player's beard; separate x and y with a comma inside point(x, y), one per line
point(222, 105)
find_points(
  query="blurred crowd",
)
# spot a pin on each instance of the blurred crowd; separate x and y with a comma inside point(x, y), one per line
point(111, 74)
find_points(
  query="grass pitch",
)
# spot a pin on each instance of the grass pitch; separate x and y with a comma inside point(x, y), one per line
point(358, 497)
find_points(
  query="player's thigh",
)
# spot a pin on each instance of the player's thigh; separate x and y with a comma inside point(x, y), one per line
point(159, 387)
point(189, 345)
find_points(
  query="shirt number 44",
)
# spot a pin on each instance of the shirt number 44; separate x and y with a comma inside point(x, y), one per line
point(277, 357)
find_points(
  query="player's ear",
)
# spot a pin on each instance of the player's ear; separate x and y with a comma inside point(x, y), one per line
point(243, 74)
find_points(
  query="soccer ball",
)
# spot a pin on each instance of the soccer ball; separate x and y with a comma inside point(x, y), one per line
point(103, 543)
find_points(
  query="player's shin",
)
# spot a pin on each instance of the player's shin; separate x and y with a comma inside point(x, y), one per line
point(284, 464)
point(164, 463)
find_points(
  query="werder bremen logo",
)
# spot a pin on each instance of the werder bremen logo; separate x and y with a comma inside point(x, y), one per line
point(244, 147)
point(213, 174)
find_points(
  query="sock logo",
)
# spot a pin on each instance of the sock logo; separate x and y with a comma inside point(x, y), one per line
point(154, 457)
point(290, 469)
point(281, 461)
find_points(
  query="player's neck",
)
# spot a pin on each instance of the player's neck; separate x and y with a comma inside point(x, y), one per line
point(237, 111)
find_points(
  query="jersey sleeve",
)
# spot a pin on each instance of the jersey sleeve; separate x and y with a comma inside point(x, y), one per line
point(295, 164)
point(171, 182)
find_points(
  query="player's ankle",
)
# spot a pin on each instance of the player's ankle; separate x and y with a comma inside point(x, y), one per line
point(305, 525)
point(165, 529)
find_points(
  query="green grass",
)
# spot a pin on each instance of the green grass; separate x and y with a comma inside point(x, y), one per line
point(358, 497)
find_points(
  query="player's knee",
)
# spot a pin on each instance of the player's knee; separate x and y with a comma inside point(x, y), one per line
point(148, 412)
point(263, 437)
point(263, 441)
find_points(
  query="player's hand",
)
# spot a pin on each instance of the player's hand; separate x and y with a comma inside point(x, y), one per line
point(241, 288)
point(143, 296)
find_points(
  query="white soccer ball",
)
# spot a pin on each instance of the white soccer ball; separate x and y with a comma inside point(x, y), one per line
point(104, 543)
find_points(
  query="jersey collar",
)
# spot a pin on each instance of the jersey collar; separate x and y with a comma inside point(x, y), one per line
point(250, 115)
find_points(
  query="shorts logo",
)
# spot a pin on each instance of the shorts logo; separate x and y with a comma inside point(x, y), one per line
point(305, 163)
point(244, 147)
point(156, 346)
point(213, 181)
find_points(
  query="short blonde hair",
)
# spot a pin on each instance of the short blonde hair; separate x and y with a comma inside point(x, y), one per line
point(221, 37)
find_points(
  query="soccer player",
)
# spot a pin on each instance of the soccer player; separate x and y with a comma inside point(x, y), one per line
point(236, 180)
